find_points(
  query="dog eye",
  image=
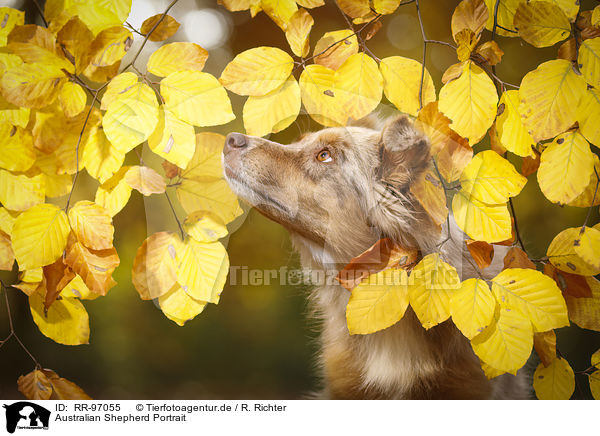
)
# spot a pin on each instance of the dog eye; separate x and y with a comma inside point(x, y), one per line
point(324, 156)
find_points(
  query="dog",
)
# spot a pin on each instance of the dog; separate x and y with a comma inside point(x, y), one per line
point(337, 191)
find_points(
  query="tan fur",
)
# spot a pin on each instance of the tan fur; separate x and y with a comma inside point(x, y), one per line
point(334, 211)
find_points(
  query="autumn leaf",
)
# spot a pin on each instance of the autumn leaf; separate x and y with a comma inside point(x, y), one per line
point(481, 252)
point(145, 180)
point(561, 253)
point(162, 27)
point(35, 385)
point(154, 268)
point(92, 225)
point(554, 382)
point(541, 24)
point(472, 307)
point(177, 56)
point(333, 48)
point(545, 346)
point(297, 32)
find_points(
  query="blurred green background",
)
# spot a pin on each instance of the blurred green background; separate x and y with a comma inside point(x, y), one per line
point(258, 342)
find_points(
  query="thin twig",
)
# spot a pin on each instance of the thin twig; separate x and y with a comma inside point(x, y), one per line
point(11, 326)
point(175, 215)
point(424, 53)
point(150, 33)
point(41, 12)
point(517, 233)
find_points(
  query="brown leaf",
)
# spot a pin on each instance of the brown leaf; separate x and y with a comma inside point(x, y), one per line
point(530, 165)
point(517, 258)
point(7, 257)
point(469, 14)
point(584, 24)
point(382, 255)
point(171, 170)
point(572, 285)
point(481, 251)
point(491, 52)
point(545, 346)
point(64, 389)
point(95, 267)
point(373, 29)
point(57, 275)
point(167, 27)
point(35, 385)
point(466, 42)
point(568, 50)
point(75, 39)
point(452, 72)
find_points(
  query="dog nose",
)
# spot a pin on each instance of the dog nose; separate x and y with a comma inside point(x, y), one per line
point(236, 140)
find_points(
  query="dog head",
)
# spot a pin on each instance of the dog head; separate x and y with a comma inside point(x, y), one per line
point(340, 187)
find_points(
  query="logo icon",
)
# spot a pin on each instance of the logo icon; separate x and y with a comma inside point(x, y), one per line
point(26, 415)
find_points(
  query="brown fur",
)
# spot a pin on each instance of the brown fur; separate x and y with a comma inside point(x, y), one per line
point(336, 210)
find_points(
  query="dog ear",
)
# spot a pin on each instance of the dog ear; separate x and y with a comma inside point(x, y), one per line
point(404, 153)
point(404, 156)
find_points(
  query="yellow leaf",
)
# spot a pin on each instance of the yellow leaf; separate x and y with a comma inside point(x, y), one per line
point(273, 112)
point(39, 236)
point(96, 14)
point(490, 372)
point(257, 71)
point(332, 54)
point(588, 113)
point(72, 99)
point(506, 343)
point(472, 307)
point(491, 179)
point(585, 312)
point(15, 115)
point(65, 322)
point(378, 302)
point(541, 23)
point(63, 389)
point(95, 267)
point(512, 134)
point(131, 118)
point(589, 197)
point(7, 257)
point(549, 98)
point(429, 192)
point(360, 80)
point(298, 31)
point(102, 74)
point(178, 306)
point(595, 384)
point(17, 148)
point(433, 283)
point(242, 5)
point(319, 96)
point(482, 222)
point(20, 191)
point(173, 139)
point(554, 382)
point(162, 27)
point(78, 289)
point(589, 61)
point(588, 247)
point(471, 15)
point(386, 7)
point(76, 39)
point(202, 269)
point(535, 295)
point(177, 56)
point(154, 268)
point(204, 226)
point(123, 83)
point(562, 254)
point(402, 83)
point(280, 11)
point(565, 167)
point(310, 3)
point(10, 18)
point(505, 16)
point(32, 85)
point(354, 8)
point(35, 385)
point(196, 98)
point(57, 185)
point(92, 225)
point(145, 180)
point(202, 186)
point(7, 220)
point(100, 158)
point(114, 194)
point(470, 102)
